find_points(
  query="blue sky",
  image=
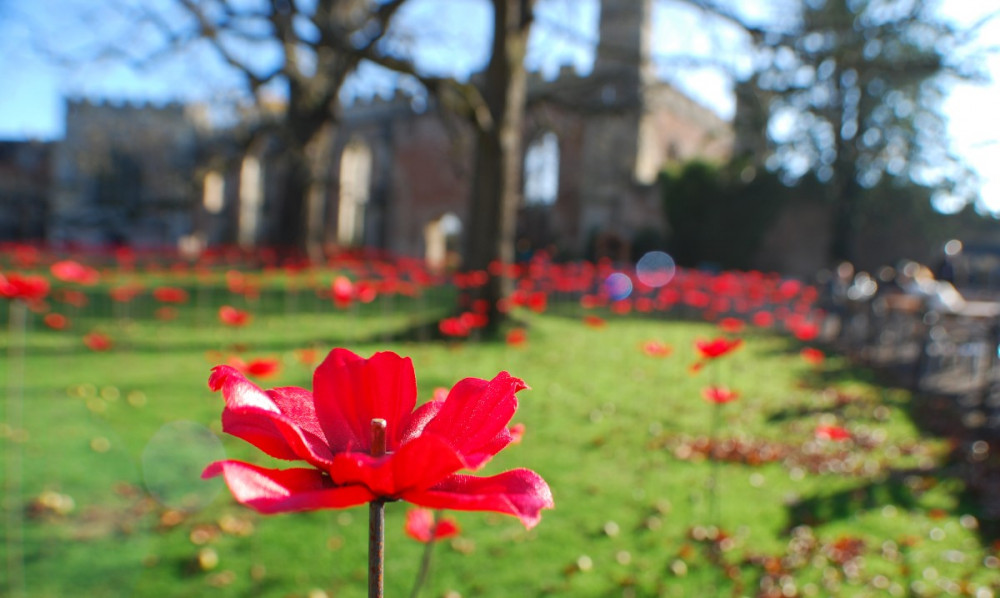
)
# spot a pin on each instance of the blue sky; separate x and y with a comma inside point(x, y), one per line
point(32, 103)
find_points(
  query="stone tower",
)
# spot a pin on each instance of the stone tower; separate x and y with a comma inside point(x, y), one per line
point(610, 188)
point(623, 50)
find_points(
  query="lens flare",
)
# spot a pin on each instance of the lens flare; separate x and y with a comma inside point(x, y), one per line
point(172, 462)
point(618, 286)
point(655, 269)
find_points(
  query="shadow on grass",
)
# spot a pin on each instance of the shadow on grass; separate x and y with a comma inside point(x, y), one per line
point(900, 488)
point(971, 480)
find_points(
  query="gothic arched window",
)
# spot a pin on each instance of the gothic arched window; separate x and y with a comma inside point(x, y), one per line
point(251, 200)
point(355, 190)
point(541, 171)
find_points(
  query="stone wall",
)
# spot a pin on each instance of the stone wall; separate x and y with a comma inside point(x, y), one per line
point(124, 174)
point(25, 175)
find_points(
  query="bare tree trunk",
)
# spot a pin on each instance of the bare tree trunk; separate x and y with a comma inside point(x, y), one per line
point(496, 186)
point(289, 231)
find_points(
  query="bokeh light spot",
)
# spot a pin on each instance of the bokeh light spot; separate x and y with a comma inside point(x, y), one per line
point(655, 269)
point(618, 286)
point(172, 463)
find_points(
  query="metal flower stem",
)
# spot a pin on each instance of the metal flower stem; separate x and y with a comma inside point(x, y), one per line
point(376, 522)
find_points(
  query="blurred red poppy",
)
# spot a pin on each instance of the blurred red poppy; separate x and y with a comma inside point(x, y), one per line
point(343, 291)
point(812, 356)
point(24, 287)
point(717, 347)
point(763, 319)
point(71, 271)
point(421, 526)
point(801, 328)
point(170, 295)
point(307, 356)
point(656, 349)
point(230, 316)
point(125, 293)
point(719, 395)
point(97, 341)
point(166, 313)
point(537, 301)
point(72, 297)
point(263, 367)
point(453, 327)
point(55, 321)
point(517, 337)
point(731, 325)
point(834, 433)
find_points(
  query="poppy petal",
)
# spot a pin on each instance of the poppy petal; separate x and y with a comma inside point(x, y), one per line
point(350, 391)
point(276, 435)
point(285, 490)
point(298, 405)
point(252, 414)
point(417, 465)
point(475, 415)
point(419, 420)
point(519, 492)
point(238, 391)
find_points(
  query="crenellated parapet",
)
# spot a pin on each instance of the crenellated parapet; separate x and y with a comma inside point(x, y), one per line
point(399, 104)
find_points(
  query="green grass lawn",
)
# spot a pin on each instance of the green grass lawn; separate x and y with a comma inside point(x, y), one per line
point(103, 496)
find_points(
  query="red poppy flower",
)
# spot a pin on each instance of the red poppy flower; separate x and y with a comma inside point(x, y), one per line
point(166, 313)
point(763, 319)
point(27, 288)
point(230, 316)
point(517, 337)
point(56, 321)
point(834, 433)
point(307, 356)
point(719, 395)
point(593, 321)
point(259, 368)
point(812, 356)
point(453, 327)
point(125, 292)
point(367, 291)
point(343, 291)
point(97, 341)
point(656, 349)
point(481, 306)
point(622, 307)
point(537, 301)
point(420, 526)
point(70, 271)
point(589, 301)
point(644, 305)
point(731, 325)
point(72, 297)
point(170, 295)
point(26, 256)
point(472, 320)
point(516, 433)
point(330, 429)
point(804, 330)
point(717, 347)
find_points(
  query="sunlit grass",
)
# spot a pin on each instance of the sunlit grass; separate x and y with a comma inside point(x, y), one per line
point(606, 425)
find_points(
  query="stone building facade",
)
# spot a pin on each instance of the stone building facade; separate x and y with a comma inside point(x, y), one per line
point(124, 174)
point(399, 169)
point(25, 178)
